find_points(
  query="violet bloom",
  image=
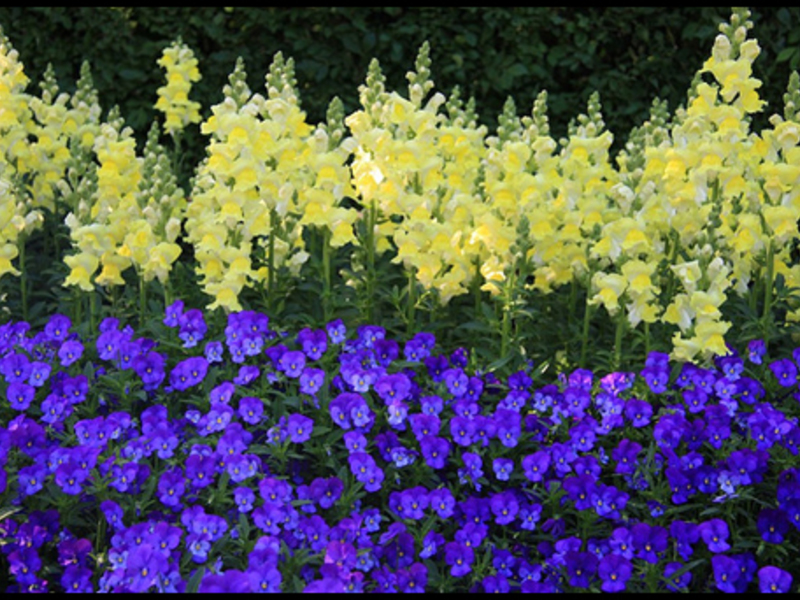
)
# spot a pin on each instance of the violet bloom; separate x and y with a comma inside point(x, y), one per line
point(656, 378)
point(460, 558)
point(150, 369)
point(70, 352)
point(502, 468)
point(638, 412)
point(336, 331)
point(251, 410)
point(505, 507)
point(773, 580)
point(581, 568)
point(57, 328)
point(773, 525)
point(20, 395)
point(188, 373)
point(714, 533)
point(756, 350)
point(676, 583)
point(785, 371)
point(614, 571)
point(726, 572)
point(536, 465)
point(649, 541)
point(441, 501)
point(311, 381)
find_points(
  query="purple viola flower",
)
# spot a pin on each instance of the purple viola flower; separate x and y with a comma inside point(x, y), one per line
point(502, 468)
point(173, 313)
point(508, 426)
point(626, 456)
point(251, 410)
point(676, 583)
point(505, 507)
point(536, 465)
point(503, 561)
point(311, 381)
point(495, 584)
point(614, 571)
point(714, 533)
point(638, 412)
point(579, 489)
point(192, 327)
point(726, 572)
point(441, 500)
point(57, 328)
point(774, 580)
point(473, 469)
point(459, 558)
point(581, 568)
point(530, 515)
point(336, 331)
point(77, 579)
point(785, 371)
point(386, 351)
point(31, 479)
point(20, 395)
point(756, 350)
point(39, 374)
point(436, 366)
point(247, 374)
point(70, 352)
point(456, 381)
point(649, 541)
point(773, 525)
point(114, 514)
point(213, 351)
point(656, 378)
point(292, 363)
point(171, 487)
point(393, 388)
point(188, 373)
point(314, 342)
point(150, 369)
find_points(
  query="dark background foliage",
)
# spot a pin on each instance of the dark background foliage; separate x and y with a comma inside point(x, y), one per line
point(630, 55)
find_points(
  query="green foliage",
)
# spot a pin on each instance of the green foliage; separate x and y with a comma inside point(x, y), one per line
point(628, 55)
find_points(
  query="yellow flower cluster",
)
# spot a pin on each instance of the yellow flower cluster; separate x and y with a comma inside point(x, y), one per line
point(265, 164)
point(17, 215)
point(99, 229)
point(697, 208)
point(173, 99)
point(150, 241)
point(419, 171)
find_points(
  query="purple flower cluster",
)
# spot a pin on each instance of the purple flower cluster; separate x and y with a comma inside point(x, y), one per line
point(348, 461)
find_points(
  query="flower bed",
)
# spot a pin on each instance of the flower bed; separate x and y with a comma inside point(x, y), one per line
point(259, 460)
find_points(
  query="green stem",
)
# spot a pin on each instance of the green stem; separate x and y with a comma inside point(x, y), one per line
point(767, 316)
point(587, 317)
point(621, 319)
point(271, 262)
point(326, 275)
point(92, 310)
point(371, 218)
point(508, 296)
point(646, 339)
point(412, 301)
point(23, 278)
point(142, 300)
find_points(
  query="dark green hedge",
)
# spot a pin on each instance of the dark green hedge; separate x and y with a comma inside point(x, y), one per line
point(630, 55)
